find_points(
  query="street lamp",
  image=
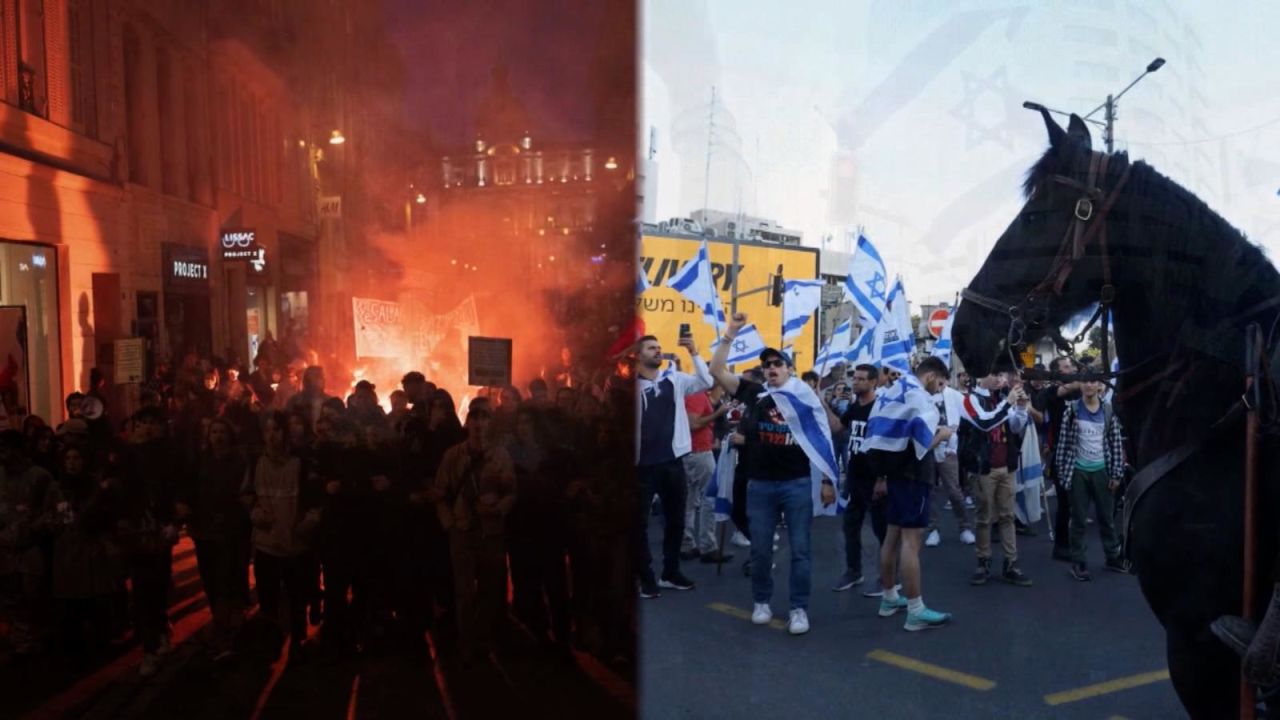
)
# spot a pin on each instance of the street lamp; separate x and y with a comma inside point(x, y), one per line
point(611, 163)
point(421, 199)
point(1110, 104)
point(336, 138)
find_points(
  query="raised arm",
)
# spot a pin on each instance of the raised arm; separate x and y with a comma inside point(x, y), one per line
point(719, 361)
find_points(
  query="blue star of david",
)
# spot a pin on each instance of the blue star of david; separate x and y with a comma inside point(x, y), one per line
point(739, 346)
point(864, 343)
point(875, 286)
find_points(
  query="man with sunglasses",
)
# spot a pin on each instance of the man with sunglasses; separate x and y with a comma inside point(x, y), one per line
point(779, 472)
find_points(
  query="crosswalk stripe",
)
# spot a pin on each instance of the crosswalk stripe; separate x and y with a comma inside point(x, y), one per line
point(1106, 688)
point(937, 672)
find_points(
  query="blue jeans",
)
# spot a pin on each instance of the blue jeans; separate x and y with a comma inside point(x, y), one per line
point(767, 501)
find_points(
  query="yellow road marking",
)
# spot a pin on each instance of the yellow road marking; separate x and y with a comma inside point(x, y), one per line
point(737, 612)
point(1090, 691)
point(934, 671)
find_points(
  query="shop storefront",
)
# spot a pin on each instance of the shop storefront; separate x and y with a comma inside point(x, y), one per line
point(30, 347)
point(299, 272)
point(187, 321)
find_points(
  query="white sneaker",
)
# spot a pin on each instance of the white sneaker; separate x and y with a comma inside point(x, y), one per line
point(799, 623)
point(966, 537)
point(762, 615)
point(933, 540)
point(740, 540)
point(150, 665)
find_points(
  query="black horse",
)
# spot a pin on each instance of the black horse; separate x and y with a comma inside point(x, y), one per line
point(1183, 286)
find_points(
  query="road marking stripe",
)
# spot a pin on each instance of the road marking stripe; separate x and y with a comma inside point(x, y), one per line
point(938, 672)
point(738, 612)
point(1105, 688)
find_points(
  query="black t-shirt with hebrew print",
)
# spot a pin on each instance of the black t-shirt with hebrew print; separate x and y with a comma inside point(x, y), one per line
point(771, 450)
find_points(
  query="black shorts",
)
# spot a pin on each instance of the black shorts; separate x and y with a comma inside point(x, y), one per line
point(907, 502)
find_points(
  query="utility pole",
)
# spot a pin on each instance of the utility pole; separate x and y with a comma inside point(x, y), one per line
point(1108, 135)
point(711, 134)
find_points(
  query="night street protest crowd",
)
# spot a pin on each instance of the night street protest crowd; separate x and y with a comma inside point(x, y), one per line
point(374, 526)
point(899, 442)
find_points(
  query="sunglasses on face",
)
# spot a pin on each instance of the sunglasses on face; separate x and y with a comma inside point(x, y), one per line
point(773, 363)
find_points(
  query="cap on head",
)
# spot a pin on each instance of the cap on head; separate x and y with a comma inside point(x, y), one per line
point(771, 353)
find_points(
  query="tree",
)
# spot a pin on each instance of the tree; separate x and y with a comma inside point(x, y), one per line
point(1094, 341)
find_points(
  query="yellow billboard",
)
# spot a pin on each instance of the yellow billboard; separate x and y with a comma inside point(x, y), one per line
point(664, 309)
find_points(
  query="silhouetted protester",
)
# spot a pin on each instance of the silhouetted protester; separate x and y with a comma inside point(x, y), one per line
point(23, 488)
point(147, 476)
point(478, 483)
point(285, 512)
point(218, 523)
point(78, 510)
point(345, 544)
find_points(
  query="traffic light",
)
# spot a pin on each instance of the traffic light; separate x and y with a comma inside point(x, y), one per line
point(777, 288)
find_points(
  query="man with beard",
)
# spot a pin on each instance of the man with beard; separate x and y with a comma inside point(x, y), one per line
point(663, 439)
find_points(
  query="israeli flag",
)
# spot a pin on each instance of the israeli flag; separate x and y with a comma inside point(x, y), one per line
point(863, 350)
point(800, 299)
point(642, 283)
point(720, 489)
point(807, 419)
point(833, 351)
point(694, 281)
point(1027, 506)
point(942, 348)
point(904, 414)
point(746, 347)
point(867, 281)
point(894, 339)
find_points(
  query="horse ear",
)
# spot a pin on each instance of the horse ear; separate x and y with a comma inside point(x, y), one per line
point(1057, 136)
point(1078, 132)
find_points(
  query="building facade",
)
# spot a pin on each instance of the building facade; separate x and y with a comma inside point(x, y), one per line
point(133, 134)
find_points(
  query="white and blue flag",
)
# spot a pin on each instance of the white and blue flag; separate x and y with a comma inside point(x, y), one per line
point(942, 348)
point(833, 351)
point(720, 489)
point(800, 299)
point(904, 414)
point(894, 339)
point(745, 347)
point(807, 419)
point(867, 282)
point(695, 282)
point(863, 350)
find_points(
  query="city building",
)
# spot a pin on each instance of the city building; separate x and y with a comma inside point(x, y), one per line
point(745, 227)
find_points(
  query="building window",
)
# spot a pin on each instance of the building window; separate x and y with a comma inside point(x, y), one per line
point(504, 172)
point(164, 104)
point(80, 61)
point(133, 107)
point(32, 88)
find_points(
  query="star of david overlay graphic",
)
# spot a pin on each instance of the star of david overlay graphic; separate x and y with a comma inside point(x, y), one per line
point(977, 128)
point(875, 286)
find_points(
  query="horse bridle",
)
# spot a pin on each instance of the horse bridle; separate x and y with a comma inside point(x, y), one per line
point(1033, 310)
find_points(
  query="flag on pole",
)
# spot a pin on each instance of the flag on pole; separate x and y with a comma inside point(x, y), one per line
point(866, 282)
point(942, 348)
point(694, 281)
point(720, 489)
point(800, 299)
point(747, 345)
point(642, 282)
point(833, 351)
point(894, 340)
point(863, 350)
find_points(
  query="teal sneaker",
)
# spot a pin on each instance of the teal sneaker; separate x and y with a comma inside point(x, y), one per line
point(926, 619)
point(891, 607)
